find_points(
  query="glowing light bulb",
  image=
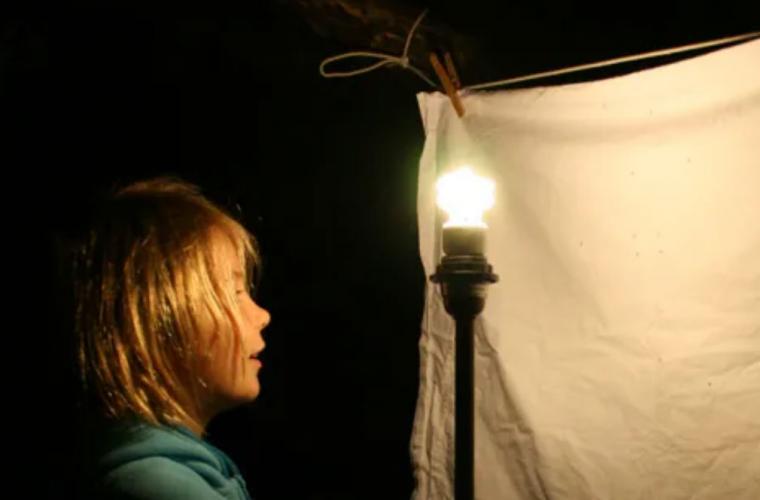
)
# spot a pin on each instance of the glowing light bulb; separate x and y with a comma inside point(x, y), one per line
point(464, 196)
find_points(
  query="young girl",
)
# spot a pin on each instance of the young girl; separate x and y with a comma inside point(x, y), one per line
point(168, 337)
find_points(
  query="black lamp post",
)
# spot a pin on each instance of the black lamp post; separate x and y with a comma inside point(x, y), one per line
point(464, 273)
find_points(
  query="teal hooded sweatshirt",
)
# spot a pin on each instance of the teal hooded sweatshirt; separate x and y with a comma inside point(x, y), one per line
point(137, 461)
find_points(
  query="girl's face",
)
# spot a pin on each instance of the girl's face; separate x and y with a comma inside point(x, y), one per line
point(229, 368)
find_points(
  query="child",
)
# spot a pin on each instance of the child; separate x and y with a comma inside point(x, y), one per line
point(168, 337)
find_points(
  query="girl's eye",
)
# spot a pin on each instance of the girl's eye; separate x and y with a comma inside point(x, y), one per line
point(249, 290)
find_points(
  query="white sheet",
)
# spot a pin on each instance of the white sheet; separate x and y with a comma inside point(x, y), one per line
point(619, 355)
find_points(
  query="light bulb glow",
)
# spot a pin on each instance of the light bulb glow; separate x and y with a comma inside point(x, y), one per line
point(464, 196)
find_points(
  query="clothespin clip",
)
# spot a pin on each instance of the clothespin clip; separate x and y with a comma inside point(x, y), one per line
point(452, 71)
point(447, 80)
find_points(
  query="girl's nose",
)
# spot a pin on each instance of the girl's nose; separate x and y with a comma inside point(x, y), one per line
point(264, 317)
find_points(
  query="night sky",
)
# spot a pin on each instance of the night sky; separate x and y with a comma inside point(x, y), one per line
point(323, 172)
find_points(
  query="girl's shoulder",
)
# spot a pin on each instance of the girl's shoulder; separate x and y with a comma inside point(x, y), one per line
point(137, 460)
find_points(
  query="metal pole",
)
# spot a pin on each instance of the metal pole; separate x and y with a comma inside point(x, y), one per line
point(464, 482)
point(463, 280)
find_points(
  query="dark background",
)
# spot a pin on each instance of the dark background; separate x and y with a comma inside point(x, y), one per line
point(324, 172)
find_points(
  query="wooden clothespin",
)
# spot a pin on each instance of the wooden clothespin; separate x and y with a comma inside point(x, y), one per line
point(448, 84)
point(452, 71)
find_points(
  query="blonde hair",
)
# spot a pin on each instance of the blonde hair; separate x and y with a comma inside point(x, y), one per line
point(142, 280)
